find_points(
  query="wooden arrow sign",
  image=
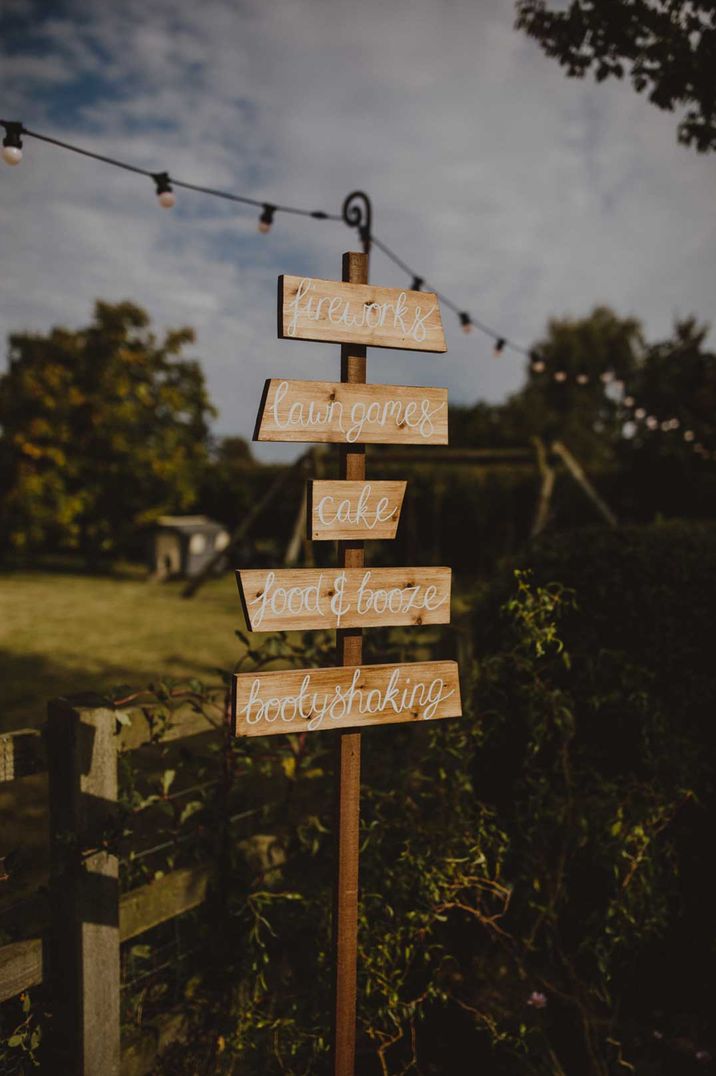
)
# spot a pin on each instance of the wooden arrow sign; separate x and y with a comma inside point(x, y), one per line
point(330, 311)
point(353, 510)
point(352, 413)
point(314, 700)
point(294, 599)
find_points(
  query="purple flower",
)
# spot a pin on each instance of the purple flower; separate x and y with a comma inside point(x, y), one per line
point(537, 1000)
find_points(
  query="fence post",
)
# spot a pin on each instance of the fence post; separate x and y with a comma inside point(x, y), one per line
point(84, 885)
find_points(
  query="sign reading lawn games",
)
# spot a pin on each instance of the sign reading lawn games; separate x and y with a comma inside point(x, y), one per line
point(350, 597)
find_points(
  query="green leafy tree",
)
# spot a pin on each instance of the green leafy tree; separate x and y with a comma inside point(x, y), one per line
point(668, 47)
point(580, 413)
point(103, 429)
point(677, 381)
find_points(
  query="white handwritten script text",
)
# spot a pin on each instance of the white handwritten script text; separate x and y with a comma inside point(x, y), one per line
point(316, 698)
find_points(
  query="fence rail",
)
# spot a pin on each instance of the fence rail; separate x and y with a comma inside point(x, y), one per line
point(78, 956)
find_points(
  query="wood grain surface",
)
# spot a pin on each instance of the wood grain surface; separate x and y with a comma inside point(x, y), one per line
point(353, 510)
point(314, 700)
point(341, 413)
point(331, 311)
point(295, 599)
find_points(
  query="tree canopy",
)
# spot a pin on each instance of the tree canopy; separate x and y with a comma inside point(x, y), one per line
point(674, 378)
point(668, 47)
point(103, 429)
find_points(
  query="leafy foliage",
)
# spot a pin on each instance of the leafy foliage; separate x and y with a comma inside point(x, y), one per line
point(103, 429)
point(668, 46)
point(532, 874)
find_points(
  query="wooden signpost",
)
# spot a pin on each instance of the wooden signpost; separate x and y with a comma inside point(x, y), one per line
point(303, 598)
point(345, 510)
point(351, 414)
point(348, 313)
point(349, 597)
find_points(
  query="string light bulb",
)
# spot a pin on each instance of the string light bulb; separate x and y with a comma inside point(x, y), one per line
point(266, 218)
point(560, 375)
point(688, 435)
point(640, 413)
point(417, 284)
point(607, 376)
point(12, 143)
point(629, 401)
point(499, 347)
point(652, 422)
point(582, 379)
point(165, 194)
point(466, 322)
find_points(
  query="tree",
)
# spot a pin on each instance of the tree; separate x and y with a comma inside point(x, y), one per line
point(580, 413)
point(103, 430)
point(669, 47)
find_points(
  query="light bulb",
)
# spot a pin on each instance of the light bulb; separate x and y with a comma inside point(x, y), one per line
point(688, 435)
point(538, 366)
point(465, 322)
point(628, 401)
point(652, 422)
point(607, 376)
point(11, 154)
point(582, 379)
point(640, 413)
point(165, 195)
point(499, 347)
point(266, 218)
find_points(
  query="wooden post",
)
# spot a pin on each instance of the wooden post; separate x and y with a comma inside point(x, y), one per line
point(350, 652)
point(84, 946)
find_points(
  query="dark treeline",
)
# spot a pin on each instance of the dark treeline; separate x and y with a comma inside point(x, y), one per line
point(106, 428)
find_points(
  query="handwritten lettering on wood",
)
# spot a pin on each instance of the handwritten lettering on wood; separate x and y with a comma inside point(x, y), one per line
point(305, 598)
point(312, 700)
point(352, 413)
point(329, 311)
point(353, 510)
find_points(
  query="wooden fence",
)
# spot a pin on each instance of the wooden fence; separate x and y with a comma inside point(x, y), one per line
point(78, 957)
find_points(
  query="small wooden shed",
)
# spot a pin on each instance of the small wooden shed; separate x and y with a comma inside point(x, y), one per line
point(181, 546)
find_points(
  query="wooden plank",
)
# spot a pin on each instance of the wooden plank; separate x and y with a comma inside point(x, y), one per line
point(294, 599)
point(331, 311)
point(84, 890)
point(332, 411)
point(21, 963)
point(21, 754)
point(21, 966)
point(353, 510)
point(314, 700)
point(149, 905)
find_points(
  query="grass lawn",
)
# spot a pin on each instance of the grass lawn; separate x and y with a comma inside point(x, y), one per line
point(63, 632)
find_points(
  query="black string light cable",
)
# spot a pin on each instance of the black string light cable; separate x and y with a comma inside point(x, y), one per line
point(164, 182)
point(356, 212)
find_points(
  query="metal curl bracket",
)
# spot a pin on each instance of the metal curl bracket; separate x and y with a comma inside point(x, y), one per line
point(358, 213)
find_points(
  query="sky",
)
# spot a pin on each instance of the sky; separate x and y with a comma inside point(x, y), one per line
point(521, 194)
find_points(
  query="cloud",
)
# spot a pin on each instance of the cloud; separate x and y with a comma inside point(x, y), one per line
point(518, 192)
